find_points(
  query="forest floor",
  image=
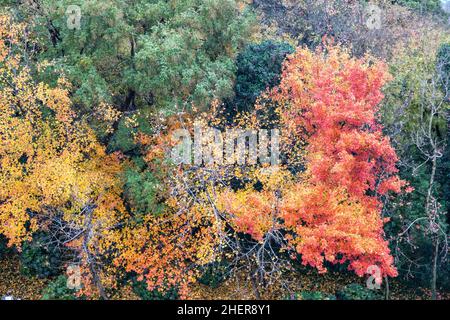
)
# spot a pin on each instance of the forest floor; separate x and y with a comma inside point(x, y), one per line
point(240, 287)
point(13, 282)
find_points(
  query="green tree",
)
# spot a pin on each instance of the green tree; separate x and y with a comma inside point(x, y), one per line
point(258, 68)
point(141, 53)
point(58, 290)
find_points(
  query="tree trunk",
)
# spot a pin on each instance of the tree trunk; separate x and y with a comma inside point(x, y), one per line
point(91, 258)
point(98, 283)
point(434, 276)
point(430, 213)
point(386, 279)
point(255, 286)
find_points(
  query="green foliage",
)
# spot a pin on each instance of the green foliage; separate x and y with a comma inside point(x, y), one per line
point(414, 250)
point(355, 291)
point(312, 295)
point(215, 274)
point(443, 63)
point(404, 95)
point(141, 190)
point(444, 176)
point(258, 68)
point(403, 119)
point(431, 6)
point(123, 138)
point(3, 246)
point(444, 55)
point(140, 288)
point(140, 53)
point(38, 258)
point(58, 290)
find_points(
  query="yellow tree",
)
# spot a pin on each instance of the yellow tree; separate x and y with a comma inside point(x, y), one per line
point(54, 175)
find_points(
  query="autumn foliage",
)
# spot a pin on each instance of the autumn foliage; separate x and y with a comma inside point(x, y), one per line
point(324, 207)
point(336, 210)
point(53, 170)
point(329, 101)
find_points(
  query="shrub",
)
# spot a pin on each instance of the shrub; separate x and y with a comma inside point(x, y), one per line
point(214, 274)
point(140, 288)
point(3, 246)
point(141, 190)
point(312, 295)
point(40, 259)
point(58, 290)
point(355, 291)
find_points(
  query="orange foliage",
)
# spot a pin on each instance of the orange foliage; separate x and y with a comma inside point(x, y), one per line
point(328, 101)
point(165, 250)
point(331, 100)
point(331, 211)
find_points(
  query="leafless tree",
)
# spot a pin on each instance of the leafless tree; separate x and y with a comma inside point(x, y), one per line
point(308, 21)
point(431, 144)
